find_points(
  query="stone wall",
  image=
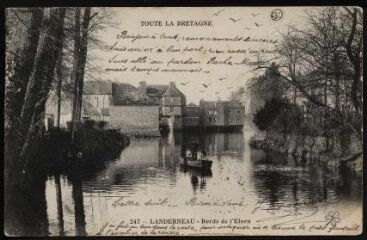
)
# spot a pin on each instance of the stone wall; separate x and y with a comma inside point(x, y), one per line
point(135, 120)
point(333, 150)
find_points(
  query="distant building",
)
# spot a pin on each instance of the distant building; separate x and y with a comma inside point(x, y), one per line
point(124, 94)
point(173, 104)
point(51, 110)
point(264, 88)
point(146, 109)
point(222, 114)
point(192, 116)
point(133, 110)
point(97, 98)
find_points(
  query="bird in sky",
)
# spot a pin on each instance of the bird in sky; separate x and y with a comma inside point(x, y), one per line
point(206, 85)
point(217, 13)
point(247, 28)
point(255, 14)
point(220, 79)
point(235, 20)
point(257, 24)
point(184, 84)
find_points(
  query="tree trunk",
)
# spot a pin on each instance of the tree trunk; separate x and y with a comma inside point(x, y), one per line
point(23, 65)
point(82, 59)
point(58, 72)
point(355, 59)
point(16, 86)
point(74, 75)
point(40, 81)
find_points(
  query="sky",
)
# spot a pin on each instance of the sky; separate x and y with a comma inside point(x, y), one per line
point(129, 19)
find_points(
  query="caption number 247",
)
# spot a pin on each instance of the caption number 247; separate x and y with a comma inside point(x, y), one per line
point(134, 221)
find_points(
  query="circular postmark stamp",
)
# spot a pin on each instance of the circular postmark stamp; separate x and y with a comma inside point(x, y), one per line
point(276, 14)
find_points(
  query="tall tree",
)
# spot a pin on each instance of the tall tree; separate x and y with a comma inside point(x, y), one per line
point(80, 57)
point(32, 113)
point(314, 59)
point(21, 68)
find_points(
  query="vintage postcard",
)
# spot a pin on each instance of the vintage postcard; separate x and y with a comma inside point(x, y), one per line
point(183, 121)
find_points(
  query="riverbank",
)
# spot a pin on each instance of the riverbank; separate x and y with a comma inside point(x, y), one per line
point(92, 147)
point(54, 155)
point(332, 151)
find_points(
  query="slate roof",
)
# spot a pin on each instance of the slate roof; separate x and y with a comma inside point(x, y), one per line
point(172, 91)
point(156, 90)
point(192, 105)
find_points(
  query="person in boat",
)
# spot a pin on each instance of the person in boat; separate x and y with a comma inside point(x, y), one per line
point(195, 149)
point(203, 154)
point(200, 155)
point(188, 153)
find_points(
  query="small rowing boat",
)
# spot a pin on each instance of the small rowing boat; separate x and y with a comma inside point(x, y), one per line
point(203, 164)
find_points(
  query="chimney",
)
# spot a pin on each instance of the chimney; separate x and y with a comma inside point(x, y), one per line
point(172, 84)
point(143, 87)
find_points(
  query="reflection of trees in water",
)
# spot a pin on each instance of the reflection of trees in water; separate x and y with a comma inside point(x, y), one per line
point(25, 207)
point(280, 178)
point(77, 193)
point(60, 213)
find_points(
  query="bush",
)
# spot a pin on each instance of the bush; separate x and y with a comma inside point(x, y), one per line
point(265, 116)
point(279, 115)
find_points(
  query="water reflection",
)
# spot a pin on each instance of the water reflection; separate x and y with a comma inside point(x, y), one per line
point(149, 168)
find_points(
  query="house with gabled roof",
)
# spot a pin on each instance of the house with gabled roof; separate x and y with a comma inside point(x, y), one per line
point(173, 103)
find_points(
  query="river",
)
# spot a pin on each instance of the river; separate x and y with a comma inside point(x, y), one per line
point(146, 180)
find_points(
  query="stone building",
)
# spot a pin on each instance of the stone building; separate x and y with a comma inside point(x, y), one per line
point(223, 114)
point(97, 98)
point(264, 88)
point(192, 116)
point(173, 103)
point(135, 111)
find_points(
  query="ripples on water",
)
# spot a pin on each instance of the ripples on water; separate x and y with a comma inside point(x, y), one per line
point(149, 169)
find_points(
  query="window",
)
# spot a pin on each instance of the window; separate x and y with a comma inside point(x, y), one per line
point(105, 111)
point(210, 112)
point(215, 113)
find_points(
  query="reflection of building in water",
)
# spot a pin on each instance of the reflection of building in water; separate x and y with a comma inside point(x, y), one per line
point(170, 150)
point(218, 143)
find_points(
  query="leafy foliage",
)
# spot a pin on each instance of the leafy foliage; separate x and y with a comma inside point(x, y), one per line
point(267, 114)
point(279, 114)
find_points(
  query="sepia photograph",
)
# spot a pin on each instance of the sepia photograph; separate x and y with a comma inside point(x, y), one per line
point(183, 121)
